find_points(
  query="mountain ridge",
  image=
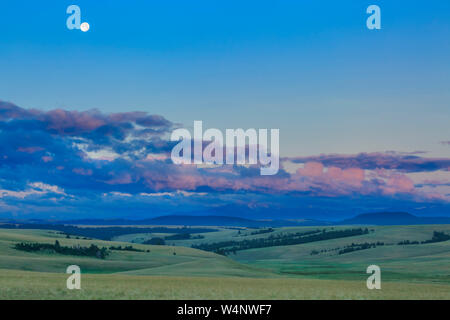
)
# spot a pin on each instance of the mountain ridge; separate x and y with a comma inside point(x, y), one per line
point(375, 218)
point(394, 218)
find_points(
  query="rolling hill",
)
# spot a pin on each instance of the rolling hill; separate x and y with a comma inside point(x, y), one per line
point(417, 270)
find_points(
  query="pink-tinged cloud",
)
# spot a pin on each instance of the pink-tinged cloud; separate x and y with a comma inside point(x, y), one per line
point(78, 143)
point(82, 171)
point(377, 160)
point(122, 178)
point(435, 196)
point(141, 118)
point(29, 149)
point(75, 123)
point(352, 176)
point(311, 169)
point(11, 111)
point(398, 183)
point(47, 159)
point(157, 157)
point(72, 122)
point(332, 176)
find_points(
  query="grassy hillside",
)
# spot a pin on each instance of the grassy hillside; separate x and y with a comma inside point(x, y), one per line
point(161, 260)
point(419, 271)
point(422, 262)
point(37, 285)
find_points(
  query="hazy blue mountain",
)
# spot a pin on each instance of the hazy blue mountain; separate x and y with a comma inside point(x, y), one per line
point(378, 218)
point(185, 220)
point(394, 218)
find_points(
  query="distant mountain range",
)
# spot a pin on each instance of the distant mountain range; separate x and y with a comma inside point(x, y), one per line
point(379, 218)
point(394, 218)
point(184, 220)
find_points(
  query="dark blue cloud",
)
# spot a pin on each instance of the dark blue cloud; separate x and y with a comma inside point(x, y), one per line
point(70, 163)
point(371, 161)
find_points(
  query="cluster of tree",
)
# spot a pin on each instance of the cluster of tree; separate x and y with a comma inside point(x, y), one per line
point(316, 252)
point(262, 231)
point(184, 236)
point(232, 246)
point(103, 233)
point(360, 246)
point(75, 237)
point(127, 248)
point(407, 242)
point(155, 241)
point(437, 237)
point(91, 251)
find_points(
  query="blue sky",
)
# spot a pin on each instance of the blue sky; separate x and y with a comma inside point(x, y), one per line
point(310, 68)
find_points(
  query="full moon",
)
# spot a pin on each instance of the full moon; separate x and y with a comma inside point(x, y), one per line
point(84, 26)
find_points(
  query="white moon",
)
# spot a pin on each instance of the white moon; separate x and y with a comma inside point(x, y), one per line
point(84, 26)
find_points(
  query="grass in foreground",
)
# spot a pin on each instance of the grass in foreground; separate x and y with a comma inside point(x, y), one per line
point(36, 285)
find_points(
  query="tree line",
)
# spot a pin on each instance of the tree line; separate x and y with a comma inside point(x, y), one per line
point(437, 237)
point(184, 236)
point(91, 251)
point(262, 231)
point(127, 248)
point(231, 246)
point(360, 246)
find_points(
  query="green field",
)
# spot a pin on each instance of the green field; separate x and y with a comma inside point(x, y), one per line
point(419, 271)
point(36, 285)
point(422, 262)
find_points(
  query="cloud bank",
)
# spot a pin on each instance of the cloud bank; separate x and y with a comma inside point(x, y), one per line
point(87, 162)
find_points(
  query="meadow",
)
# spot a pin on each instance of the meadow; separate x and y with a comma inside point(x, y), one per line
point(177, 271)
point(37, 285)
